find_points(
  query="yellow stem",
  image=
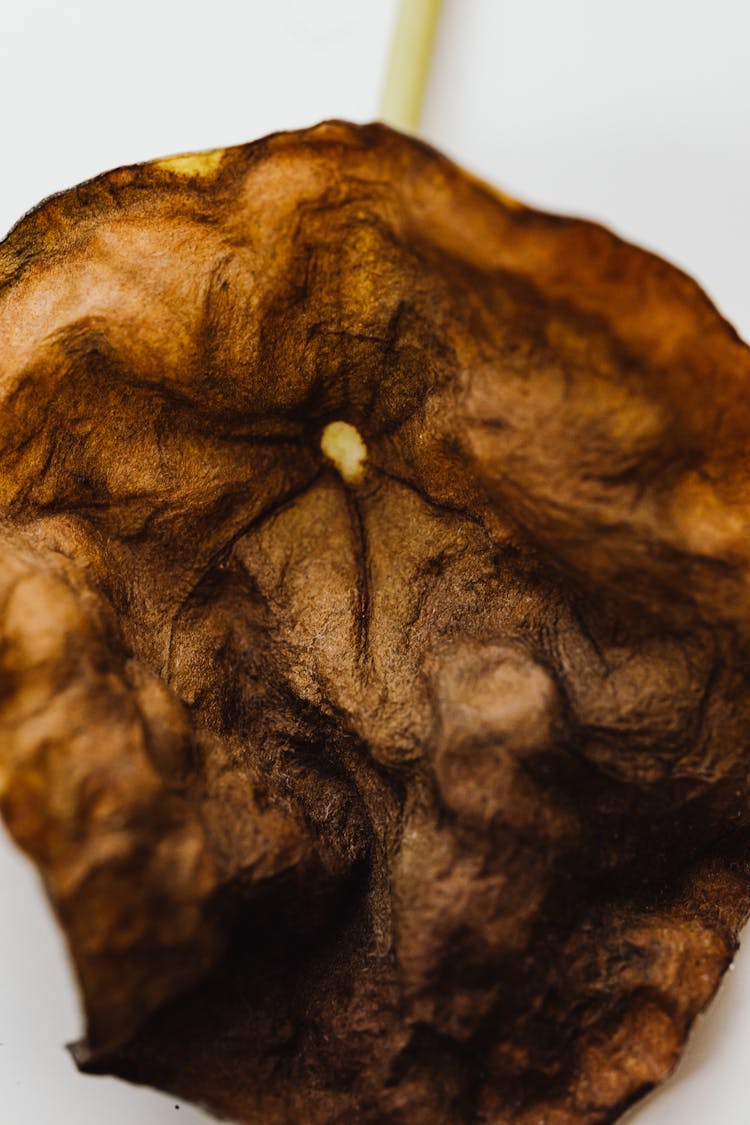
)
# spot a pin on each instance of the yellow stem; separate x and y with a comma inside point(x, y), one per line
point(409, 64)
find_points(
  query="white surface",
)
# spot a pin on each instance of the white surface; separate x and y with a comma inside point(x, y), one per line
point(637, 114)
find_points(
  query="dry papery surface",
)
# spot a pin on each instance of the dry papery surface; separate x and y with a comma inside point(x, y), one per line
point(374, 615)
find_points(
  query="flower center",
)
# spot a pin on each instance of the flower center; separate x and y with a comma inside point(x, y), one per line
point(342, 444)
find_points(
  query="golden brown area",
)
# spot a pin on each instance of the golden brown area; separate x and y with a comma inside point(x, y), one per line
point(373, 623)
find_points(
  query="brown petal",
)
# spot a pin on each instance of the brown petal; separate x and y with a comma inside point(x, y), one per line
point(373, 623)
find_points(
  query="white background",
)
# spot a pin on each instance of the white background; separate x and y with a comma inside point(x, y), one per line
point(635, 113)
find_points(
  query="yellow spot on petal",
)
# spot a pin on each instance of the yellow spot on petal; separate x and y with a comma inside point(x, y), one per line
point(342, 444)
point(192, 163)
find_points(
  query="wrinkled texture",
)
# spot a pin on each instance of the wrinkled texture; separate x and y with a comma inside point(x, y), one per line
point(414, 795)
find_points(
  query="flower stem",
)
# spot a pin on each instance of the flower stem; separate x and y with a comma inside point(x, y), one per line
point(409, 64)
